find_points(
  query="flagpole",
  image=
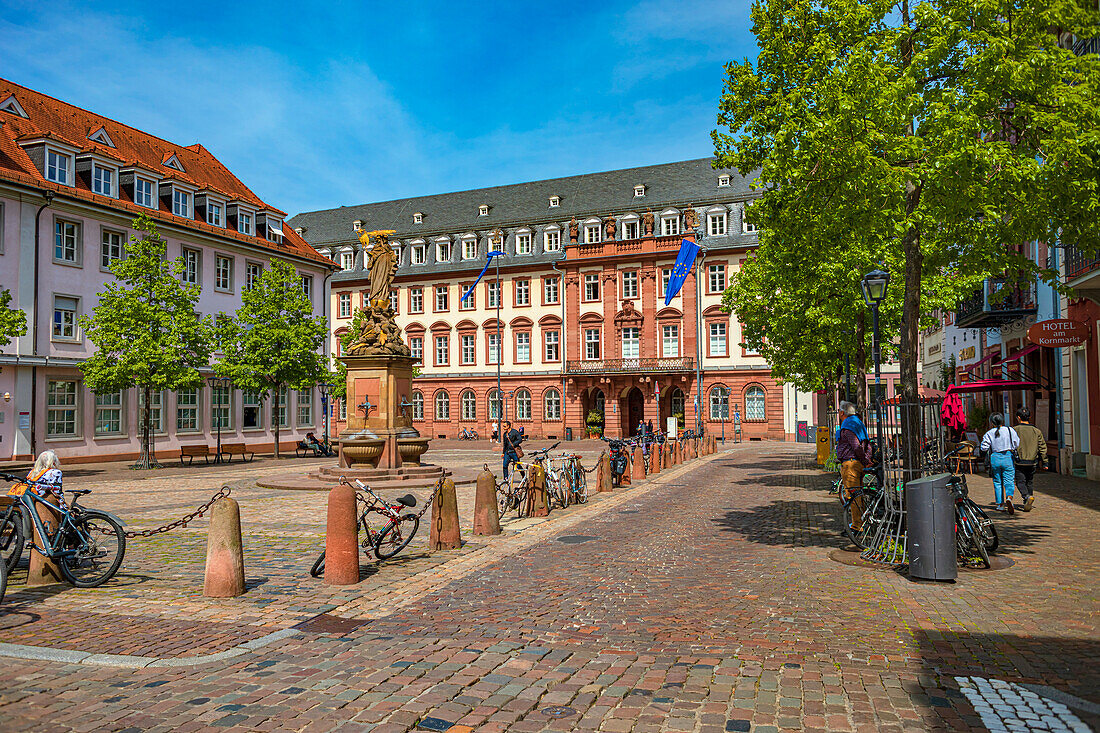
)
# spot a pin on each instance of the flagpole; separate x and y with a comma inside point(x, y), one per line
point(700, 235)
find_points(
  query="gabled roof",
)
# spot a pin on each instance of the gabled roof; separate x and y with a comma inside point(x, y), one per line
point(51, 119)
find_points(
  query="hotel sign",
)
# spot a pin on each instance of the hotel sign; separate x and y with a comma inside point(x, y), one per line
point(1058, 333)
point(967, 353)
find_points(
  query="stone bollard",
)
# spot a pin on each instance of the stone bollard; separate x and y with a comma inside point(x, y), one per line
point(679, 452)
point(693, 448)
point(637, 469)
point(655, 458)
point(536, 495)
point(342, 537)
point(445, 533)
point(603, 473)
point(43, 571)
point(486, 512)
point(224, 577)
point(714, 444)
point(666, 456)
point(624, 480)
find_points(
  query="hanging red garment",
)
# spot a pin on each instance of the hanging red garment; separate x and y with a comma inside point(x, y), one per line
point(951, 413)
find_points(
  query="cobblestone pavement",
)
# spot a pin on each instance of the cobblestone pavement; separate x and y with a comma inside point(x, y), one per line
point(709, 598)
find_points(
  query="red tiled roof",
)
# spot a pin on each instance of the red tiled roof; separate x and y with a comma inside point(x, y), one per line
point(54, 119)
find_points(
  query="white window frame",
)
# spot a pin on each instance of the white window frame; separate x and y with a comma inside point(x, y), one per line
point(746, 228)
point(723, 180)
point(716, 224)
point(416, 300)
point(593, 233)
point(552, 240)
point(223, 274)
point(192, 410)
point(555, 202)
point(109, 407)
point(215, 213)
point(221, 408)
point(443, 251)
point(181, 203)
point(666, 277)
point(419, 254)
point(148, 196)
point(70, 326)
point(469, 249)
point(551, 290)
point(343, 304)
point(631, 342)
point(492, 294)
point(192, 265)
point(65, 412)
point(631, 229)
point(493, 404)
point(719, 403)
point(305, 409)
point(630, 284)
point(523, 291)
point(418, 218)
point(246, 224)
point(592, 344)
point(416, 348)
point(442, 346)
point(762, 402)
point(551, 405)
point(716, 278)
point(670, 225)
point(719, 334)
point(523, 404)
point(468, 404)
point(279, 410)
point(417, 405)
point(55, 171)
point(442, 298)
point(591, 279)
point(307, 286)
point(442, 405)
point(252, 401)
point(551, 346)
point(670, 340)
point(73, 236)
point(253, 271)
point(639, 192)
point(492, 347)
point(156, 411)
point(104, 179)
point(523, 243)
point(110, 251)
point(483, 210)
point(468, 350)
point(523, 347)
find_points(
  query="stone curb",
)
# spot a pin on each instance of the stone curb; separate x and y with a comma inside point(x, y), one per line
point(65, 656)
point(515, 541)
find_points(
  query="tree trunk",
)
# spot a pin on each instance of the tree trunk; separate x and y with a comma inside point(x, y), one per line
point(909, 354)
point(859, 381)
point(277, 412)
point(148, 457)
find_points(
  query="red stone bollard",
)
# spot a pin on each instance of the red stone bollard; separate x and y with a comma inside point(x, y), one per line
point(637, 472)
point(655, 458)
point(342, 537)
point(224, 576)
point(713, 444)
point(486, 512)
point(536, 496)
point(603, 473)
point(43, 571)
point(445, 534)
point(624, 480)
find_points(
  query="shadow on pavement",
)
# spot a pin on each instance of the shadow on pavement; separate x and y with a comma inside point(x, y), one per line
point(786, 523)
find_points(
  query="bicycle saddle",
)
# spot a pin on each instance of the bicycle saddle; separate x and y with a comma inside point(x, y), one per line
point(80, 492)
point(407, 500)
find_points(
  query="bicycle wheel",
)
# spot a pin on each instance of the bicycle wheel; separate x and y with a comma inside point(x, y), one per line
point(985, 527)
point(92, 548)
point(318, 568)
point(854, 534)
point(13, 538)
point(580, 486)
point(874, 517)
point(395, 537)
point(504, 497)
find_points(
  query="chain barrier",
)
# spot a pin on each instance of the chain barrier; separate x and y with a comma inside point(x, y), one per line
point(182, 521)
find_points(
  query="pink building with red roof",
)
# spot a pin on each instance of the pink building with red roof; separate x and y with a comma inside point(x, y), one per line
point(71, 182)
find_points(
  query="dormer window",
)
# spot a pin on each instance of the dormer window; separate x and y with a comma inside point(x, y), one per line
point(639, 191)
point(418, 218)
point(418, 254)
point(145, 192)
point(244, 222)
point(214, 213)
point(181, 203)
point(100, 136)
point(469, 249)
point(443, 251)
point(11, 106)
point(298, 231)
point(483, 210)
point(357, 225)
point(171, 161)
point(103, 180)
point(58, 167)
point(555, 202)
point(723, 181)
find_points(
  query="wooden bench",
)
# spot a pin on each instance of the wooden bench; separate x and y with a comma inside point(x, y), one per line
point(191, 451)
point(237, 449)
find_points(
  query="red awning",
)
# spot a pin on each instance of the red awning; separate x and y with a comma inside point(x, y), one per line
point(981, 361)
point(990, 385)
point(1021, 354)
point(922, 392)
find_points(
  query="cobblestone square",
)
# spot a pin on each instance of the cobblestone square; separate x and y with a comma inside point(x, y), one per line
point(709, 597)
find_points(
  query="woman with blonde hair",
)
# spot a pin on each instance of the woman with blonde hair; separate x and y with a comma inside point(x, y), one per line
point(47, 470)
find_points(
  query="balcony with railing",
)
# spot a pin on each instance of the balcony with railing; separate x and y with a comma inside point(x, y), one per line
point(1083, 272)
point(630, 366)
point(997, 302)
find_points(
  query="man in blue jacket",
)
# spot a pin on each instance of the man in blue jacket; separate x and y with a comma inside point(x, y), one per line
point(852, 451)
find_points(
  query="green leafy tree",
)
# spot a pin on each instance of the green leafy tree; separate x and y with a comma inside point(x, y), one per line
point(274, 341)
point(13, 322)
point(146, 330)
point(935, 137)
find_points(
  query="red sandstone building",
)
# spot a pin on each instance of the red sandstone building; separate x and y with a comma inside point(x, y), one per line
point(583, 336)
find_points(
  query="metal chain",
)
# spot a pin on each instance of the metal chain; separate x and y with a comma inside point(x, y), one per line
point(182, 521)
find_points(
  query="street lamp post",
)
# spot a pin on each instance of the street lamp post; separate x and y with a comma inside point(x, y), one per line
point(700, 235)
point(498, 241)
point(218, 385)
point(874, 285)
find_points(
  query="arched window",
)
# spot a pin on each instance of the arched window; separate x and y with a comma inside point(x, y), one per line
point(442, 405)
point(677, 402)
point(551, 405)
point(754, 404)
point(719, 403)
point(469, 405)
point(523, 405)
point(418, 406)
point(494, 405)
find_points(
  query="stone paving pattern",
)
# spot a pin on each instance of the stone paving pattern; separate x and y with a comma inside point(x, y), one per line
point(705, 599)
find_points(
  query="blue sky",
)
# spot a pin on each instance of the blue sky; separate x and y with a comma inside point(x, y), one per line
point(346, 103)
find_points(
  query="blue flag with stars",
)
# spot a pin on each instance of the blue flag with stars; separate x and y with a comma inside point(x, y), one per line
point(684, 262)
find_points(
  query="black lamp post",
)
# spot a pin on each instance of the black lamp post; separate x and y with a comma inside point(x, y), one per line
point(874, 285)
point(325, 389)
point(218, 385)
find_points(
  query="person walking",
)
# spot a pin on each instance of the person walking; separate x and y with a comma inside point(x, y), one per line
point(853, 454)
point(1031, 455)
point(509, 444)
point(1000, 443)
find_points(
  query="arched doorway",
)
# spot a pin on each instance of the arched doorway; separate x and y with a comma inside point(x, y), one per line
point(594, 401)
point(672, 403)
point(633, 410)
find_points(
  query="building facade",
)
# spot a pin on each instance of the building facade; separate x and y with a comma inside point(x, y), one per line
point(71, 183)
point(578, 322)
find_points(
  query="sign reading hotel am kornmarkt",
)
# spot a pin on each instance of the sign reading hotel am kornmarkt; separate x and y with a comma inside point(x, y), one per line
point(1058, 333)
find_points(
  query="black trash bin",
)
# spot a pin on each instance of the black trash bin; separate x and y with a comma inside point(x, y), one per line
point(930, 528)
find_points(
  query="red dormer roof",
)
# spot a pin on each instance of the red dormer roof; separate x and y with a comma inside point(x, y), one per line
point(53, 119)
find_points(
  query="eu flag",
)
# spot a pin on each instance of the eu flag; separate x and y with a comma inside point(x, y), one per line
point(684, 262)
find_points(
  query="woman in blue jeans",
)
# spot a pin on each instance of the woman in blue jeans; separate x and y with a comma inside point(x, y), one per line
point(1000, 442)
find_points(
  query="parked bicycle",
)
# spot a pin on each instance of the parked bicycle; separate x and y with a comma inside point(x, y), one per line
point(619, 459)
point(567, 467)
point(87, 545)
point(512, 493)
point(394, 536)
point(467, 434)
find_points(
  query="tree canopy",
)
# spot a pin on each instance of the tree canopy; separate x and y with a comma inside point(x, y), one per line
point(274, 341)
point(13, 322)
point(145, 328)
point(936, 139)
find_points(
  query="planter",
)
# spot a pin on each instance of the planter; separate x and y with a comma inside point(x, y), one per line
point(357, 452)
